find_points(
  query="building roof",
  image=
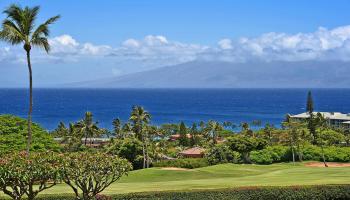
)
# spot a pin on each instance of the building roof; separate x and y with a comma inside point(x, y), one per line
point(177, 136)
point(193, 151)
point(327, 115)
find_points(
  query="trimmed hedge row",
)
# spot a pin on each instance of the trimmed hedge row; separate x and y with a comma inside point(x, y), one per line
point(189, 163)
point(324, 192)
point(275, 154)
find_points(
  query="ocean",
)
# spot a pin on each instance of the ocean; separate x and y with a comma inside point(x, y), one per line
point(170, 105)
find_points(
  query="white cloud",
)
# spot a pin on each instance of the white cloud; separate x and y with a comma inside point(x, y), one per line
point(157, 50)
point(225, 44)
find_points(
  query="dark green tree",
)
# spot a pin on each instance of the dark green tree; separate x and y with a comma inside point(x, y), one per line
point(194, 140)
point(245, 145)
point(88, 128)
point(19, 28)
point(140, 119)
point(183, 140)
point(212, 130)
point(311, 120)
point(117, 128)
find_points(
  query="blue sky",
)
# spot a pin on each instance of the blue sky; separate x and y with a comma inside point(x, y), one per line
point(127, 36)
point(198, 21)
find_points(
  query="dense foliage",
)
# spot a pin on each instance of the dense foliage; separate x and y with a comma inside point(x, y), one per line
point(13, 134)
point(128, 148)
point(222, 153)
point(331, 192)
point(90, 174)
point(189, 163)
point(23, 174)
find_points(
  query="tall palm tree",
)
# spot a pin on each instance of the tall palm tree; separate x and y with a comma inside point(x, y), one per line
point(88, 128)
point(140, 119)
point(19, 28)
point(117, 128)
point(212, 129)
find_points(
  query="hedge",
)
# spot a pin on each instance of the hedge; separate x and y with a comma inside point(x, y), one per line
point(275, 154)
point(322, 192)
point(189, 163)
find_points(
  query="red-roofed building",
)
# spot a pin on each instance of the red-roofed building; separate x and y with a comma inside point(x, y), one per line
point(195, 152)
point(177, 136)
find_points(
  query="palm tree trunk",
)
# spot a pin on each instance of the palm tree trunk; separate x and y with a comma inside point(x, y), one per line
point(143, 150)
point(293, 155)
point(29, 139)
point(147, 157)
point(323, 157)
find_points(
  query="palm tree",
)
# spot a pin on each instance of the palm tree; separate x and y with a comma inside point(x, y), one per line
point(19, 28)
point(140, 119)
point(87, 127)
point(117, 128)
point(212, 130)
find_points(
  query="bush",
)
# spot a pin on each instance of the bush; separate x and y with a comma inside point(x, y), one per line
point(332, 153)
point(325, 192)
point(221, 153)
point(274, 154)
point(271, 154)
point(13, 134)
point(189, 163)
point(130, 149)
point(23, 174)
point(89, 174)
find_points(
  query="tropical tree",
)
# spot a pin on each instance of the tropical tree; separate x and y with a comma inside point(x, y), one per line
point(321, 123)
point(89, 174)
point(19, 28)
point(212, 130)
point(140, 118)
point(295, 135)
point(268, 133)
point(183, 139)
point(194, 133)
point(311, 121)
point(21, 174)
point(117, 127)
point(87, 128)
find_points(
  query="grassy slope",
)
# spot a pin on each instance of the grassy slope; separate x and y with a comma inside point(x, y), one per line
point(223, 176)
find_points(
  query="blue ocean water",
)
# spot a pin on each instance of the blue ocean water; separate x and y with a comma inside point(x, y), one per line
point(170, 105)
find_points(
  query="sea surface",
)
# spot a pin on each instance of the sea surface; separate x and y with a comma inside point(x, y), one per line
point(170, 105)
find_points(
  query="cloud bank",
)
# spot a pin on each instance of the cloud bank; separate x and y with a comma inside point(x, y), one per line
point(323, 44)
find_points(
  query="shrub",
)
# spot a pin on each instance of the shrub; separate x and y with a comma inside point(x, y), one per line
point(221, 153)
point(130, 149)
point(189, 163)
point(271, 154)
point(245, 145)
point(325, 192)
point(92, 173)
point(13, 133)
point(21, 174)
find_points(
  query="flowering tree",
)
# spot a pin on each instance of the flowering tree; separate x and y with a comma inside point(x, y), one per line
point(92, 173)
point(21, 174)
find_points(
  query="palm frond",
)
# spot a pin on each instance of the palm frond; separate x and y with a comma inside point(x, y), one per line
point(30, 15)
point(11, 33)
point(41, 42)
point(43, 29)
point(15, 13)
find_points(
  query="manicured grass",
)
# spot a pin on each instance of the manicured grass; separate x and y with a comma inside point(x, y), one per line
point(223, 176)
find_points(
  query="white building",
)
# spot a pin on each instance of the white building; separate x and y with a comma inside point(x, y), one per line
point(335, 119)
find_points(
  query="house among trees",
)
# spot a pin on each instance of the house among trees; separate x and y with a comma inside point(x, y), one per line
point(334, 119)
point(195, 152)
point(178, 136)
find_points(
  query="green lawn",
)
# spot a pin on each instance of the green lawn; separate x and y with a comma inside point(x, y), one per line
point(223, 176)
